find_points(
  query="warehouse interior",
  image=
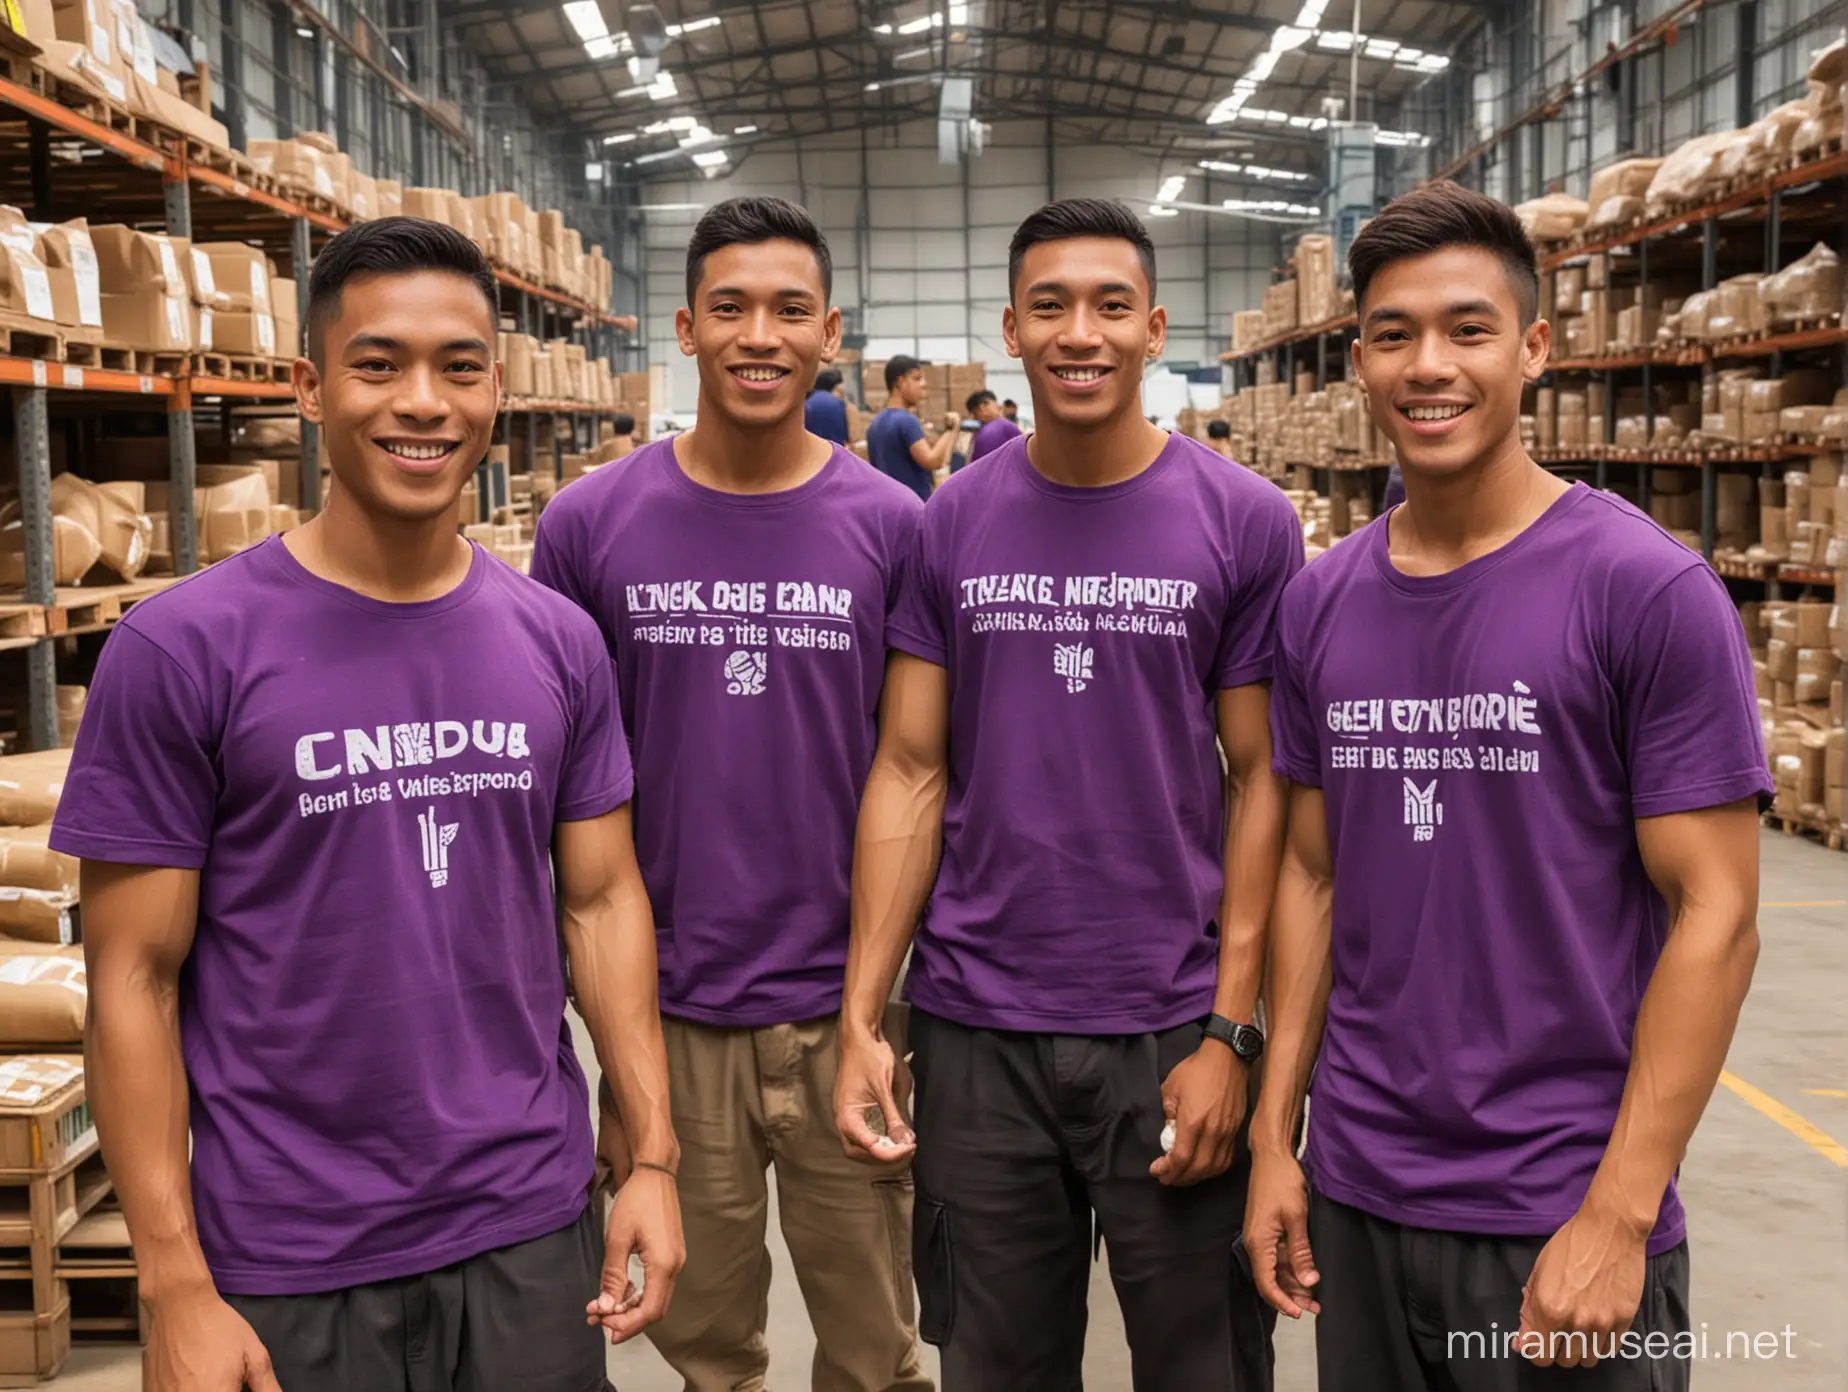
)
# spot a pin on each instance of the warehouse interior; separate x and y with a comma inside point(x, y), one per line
point(172, 168)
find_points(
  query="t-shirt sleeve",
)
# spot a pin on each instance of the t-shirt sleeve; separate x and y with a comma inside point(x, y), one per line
point(919, 623)
point(143, 782)
point(902, 542)
point(597, 775)
point(1685, 694)
point(909, 430)
point(1296, 753)
point(1270, 553)
point(553, 563)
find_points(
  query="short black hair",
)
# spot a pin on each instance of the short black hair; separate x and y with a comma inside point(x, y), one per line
point(1445, 214)
point(977, 400)
point(391, 246)
point(623, 422)
point(748, 220)
point(898, 367)
point(1218, 430)
point(1011, 402)
point(1080, 217)
point(827, 379)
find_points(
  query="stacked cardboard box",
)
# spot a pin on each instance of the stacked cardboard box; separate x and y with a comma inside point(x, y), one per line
point(1317, 299)
point(25, 282)
point(1248, 327)
point(146, 296)
point(245, 324)
point(69, 258)
point(1280, 309)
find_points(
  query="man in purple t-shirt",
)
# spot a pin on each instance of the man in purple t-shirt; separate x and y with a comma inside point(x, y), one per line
point(322, 794)
point(1521, 879)
point(994, 430)
point(1088, 612)
point(742, 575)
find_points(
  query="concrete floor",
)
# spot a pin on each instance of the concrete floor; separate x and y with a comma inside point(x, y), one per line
point(1767, 1210)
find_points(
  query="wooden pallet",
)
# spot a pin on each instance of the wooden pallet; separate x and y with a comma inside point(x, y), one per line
point(31, 338)
point(1814, 827)
point(21, 620)
point(97, 1261)
point(209, 365)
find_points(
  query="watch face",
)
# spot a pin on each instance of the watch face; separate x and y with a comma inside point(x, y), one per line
point(1247, 1043)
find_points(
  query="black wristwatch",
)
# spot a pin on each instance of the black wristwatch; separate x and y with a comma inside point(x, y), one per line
point(1247, 1041)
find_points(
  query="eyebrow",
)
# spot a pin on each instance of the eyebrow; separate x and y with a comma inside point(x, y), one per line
point(1484, 308)
point(794, 292)
point(394, 345)
point(1115, 287)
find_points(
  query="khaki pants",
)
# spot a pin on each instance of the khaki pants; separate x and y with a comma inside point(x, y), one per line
point(744, 1100)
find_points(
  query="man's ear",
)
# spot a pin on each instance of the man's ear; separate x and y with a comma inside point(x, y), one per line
point(1010, 331)
point(305, 377)
point(683, 331)
point(1536, 348)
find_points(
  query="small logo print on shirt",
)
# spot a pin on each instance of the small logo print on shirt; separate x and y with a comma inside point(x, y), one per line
point(1424, 814)
point(436, 838)
point(1073, 662)
point(746, 672)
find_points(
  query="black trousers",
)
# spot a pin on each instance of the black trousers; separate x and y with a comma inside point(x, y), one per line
point(1030, 1148)
point(510, 1318)
point(1415, 1310)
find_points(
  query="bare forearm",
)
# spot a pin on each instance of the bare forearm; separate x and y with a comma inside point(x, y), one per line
point(136, 1082)
point(1254, 847)
point(896, 849)
point(1683, 1031)
point(611, 947)
point(1296, 1003)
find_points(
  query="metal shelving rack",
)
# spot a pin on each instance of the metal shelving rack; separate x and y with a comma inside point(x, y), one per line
point(540, 311)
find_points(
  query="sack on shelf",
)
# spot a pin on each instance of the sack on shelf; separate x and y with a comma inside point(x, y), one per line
point(1687, 173)
point(1619, 210)
point(1808, 288)
point(43, 998)
point(30, 785)
point(1628, 178)
point(1556, 216)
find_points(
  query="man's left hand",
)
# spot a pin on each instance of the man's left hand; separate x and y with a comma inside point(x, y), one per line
point(1204, 1097)
point(645, 1222)
point(1587, 1281)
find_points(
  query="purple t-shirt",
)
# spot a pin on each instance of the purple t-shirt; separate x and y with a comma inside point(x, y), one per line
point(992, 436)
point(749, 632)
point(372, 1015)
point(1485, 740)
point(1087, 633)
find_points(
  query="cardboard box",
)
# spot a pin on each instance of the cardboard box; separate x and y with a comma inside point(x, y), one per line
point(129, 262)
point(1801, 625)
point(150, 320)
point(25, 283)
point(76, 284)
point(240, 272)
point(245, 334)
point(170, 109)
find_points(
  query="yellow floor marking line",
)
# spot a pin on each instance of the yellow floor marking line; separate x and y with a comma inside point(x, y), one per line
point(1826, 1092)
point(1804, 1130)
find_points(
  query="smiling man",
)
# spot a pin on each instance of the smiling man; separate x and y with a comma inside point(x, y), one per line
point(895, 443)
point(1089, 610)
point(326, 850)
point(742, 575)
point(1521, 877)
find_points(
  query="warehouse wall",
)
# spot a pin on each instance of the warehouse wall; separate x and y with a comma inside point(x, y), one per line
point(920, 248)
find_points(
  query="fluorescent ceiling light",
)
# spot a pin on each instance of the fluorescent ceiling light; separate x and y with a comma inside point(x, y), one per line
point(603, 48)
point(1289, 37)
point(1339, 39)
point(662, 87)
point(710, 159)
point(1382, 48)
point(586, 17)
point(1271, 205)
point(959, 12)
point(622, 139)
point(1171, 188)
point(656, 156)
point(744, 130)
point(1255, 171)
point(1401, 139)
point(692, 26)
point(1311, 14)
point(871, 87)
point(922, 24)
point(1156, 210)
point(304, 32)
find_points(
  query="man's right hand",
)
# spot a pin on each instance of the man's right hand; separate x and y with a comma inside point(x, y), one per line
point(864, 1082)
point(198, 1343)
point(1277, 1233)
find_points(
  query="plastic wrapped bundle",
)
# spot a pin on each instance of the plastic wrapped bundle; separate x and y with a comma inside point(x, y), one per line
point(1808, 288)
point(1689, 171)
point(1552, 218)
point(1821, 129)
point(1626, 178)
point(1829, 67)
point(1619, 210)
point(1772, 135)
